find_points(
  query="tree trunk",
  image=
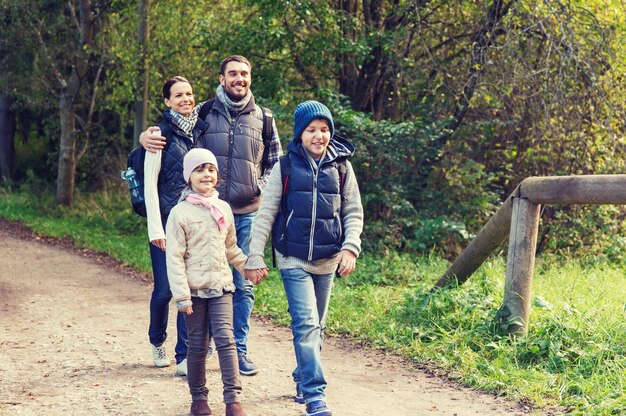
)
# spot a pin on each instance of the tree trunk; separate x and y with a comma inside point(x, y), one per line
point(7, 138)
point(141, 105)
point(66, 173)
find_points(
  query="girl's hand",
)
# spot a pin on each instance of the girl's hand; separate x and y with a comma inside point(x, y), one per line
point(159, 243)
point(346, 261)
point(255, 275)
point(188, 310)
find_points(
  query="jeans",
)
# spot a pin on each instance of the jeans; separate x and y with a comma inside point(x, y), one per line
point(159, 307)
point(308, 296)
point(244, 295)
point(215, 315)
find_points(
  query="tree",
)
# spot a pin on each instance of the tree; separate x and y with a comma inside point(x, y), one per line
point(143, 73)
point(7, 135)
point(66, 34)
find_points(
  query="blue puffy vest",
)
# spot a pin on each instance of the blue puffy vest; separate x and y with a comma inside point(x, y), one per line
point(171, 182)
point(308, 225)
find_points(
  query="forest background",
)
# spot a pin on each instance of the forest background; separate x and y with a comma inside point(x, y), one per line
point(450, 104)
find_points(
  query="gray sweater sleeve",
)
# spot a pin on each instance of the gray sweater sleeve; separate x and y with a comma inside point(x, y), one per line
point(352, 213)
point(264, 219)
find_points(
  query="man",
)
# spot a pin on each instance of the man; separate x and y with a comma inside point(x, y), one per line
point(234, 135)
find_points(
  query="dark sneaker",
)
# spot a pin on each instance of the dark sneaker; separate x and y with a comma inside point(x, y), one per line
point(246, 366)
point(318, 408)
point(299, 396)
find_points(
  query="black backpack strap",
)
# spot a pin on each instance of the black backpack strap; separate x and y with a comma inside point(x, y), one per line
point(206, 107)
point(268, 132)
point(343, 172)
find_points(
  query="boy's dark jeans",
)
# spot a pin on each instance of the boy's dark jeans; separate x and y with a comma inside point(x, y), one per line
point(217, 314)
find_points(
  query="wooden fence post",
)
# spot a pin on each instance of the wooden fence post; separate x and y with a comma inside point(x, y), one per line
point(520, 265)
point(487, 240)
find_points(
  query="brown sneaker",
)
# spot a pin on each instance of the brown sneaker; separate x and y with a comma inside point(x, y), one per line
point(235, 409)
point(200, 408)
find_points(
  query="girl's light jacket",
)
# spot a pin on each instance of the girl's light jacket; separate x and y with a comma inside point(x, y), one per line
point(198, 253)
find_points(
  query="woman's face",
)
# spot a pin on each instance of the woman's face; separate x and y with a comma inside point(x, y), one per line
point(315, 137)
point(181, 98)
point(203, 178)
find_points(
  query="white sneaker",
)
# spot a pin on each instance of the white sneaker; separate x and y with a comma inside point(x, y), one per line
point(159, 356)
point(181, 368)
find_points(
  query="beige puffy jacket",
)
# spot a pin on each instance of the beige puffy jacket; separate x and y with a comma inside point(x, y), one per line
point(198, 253)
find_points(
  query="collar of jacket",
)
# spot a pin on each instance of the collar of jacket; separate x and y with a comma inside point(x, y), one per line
point(198, 129)
point(219, 106)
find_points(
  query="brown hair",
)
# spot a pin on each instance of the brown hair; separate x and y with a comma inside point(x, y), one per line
point(231, 58)
point(167, 86)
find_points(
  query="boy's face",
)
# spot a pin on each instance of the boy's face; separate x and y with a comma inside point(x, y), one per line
point(236, 80)
point(203, 178)
point(315, 137)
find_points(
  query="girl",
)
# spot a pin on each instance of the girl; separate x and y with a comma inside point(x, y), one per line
point(201, 241)
point(163, 177)
point(316, 219)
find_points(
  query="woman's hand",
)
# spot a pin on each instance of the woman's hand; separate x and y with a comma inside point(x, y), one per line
point(150, 141)
point(188, 310)
point(159, 243)
point(346, 261)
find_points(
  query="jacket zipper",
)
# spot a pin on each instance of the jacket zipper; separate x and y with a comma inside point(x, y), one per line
point(229, 159)
point(314, 213)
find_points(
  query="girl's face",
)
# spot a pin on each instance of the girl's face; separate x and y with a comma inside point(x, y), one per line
point(181, 98)
point(315, 137)
point(203, 179)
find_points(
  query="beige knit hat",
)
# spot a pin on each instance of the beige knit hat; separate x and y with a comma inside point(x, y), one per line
point(196, 157)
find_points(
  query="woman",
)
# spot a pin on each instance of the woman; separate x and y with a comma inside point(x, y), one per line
point(163, 177)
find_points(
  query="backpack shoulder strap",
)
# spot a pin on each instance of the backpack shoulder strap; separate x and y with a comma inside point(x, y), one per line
point(206, 107)
point(343, 171)
point(268, 131)
point(285, 171)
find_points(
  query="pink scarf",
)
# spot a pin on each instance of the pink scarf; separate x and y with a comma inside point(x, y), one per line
point(217, 215)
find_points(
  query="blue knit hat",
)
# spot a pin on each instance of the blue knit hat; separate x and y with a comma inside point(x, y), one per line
point(307, 112)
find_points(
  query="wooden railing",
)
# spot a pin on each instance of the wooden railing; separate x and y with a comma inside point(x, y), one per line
point(518, 217)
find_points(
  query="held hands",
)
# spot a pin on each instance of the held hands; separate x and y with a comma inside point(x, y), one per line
point(151, 139)
point(256, 275)
point(346, 261)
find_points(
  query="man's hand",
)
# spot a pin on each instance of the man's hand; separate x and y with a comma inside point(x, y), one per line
point(151, 139)
point(346, 261)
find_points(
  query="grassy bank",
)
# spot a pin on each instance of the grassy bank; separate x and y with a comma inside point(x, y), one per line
point(573, 358)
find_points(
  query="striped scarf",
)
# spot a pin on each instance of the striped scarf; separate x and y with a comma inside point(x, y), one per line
point(186, 124)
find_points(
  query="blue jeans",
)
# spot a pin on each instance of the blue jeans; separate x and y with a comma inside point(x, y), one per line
point(308, 296)
point(243, 301)
point(159, 307)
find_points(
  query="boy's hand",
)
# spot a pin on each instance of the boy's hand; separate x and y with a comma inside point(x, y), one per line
point(188, 310)
point(150, 141)
point(255, 275)
point(346, 261)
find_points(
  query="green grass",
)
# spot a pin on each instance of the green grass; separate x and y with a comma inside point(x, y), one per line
point(573, 358)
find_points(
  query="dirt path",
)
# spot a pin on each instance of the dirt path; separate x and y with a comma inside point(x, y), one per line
point(73, 342)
